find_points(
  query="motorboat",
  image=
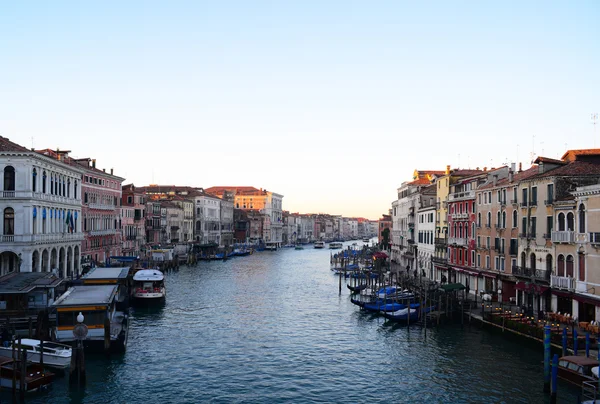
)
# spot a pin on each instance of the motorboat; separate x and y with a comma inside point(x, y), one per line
point(577, 369)
point(55, 355)
point(319, 244)
point(336, 245)
point(35, 377)
point(149, 285)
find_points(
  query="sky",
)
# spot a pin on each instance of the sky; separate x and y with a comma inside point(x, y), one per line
point(332, 104)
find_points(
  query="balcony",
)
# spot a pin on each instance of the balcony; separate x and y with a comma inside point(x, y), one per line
point(439, 241)
point(540, 274)
point(533, 204)
point(594, 238)
point(108, 232)
point(503, 202)
point(563, 237)
point(547, 236)
point(459, 241)
point(524, 204)
point(548, 202)
point(514, 201)
point(101, 206)
point(461, 196)
point(562, 282)
point(439, 260)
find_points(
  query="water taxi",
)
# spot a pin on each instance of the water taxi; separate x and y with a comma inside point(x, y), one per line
point(271, 246)
point(55, 355)
point(34, 379)
point(319, 244)
point(149, 286)
point(577, 369)
point(107, 327)
point(336, 245)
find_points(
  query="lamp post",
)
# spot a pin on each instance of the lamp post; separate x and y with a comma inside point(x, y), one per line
point(80, 332)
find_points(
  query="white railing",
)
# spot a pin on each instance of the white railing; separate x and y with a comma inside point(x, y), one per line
point(101, 206)
point(41, 238)
point(562, 282)
point(457, 240)
point(8, 239)
point(461, 195)
point(102, 232)
point(563, 236)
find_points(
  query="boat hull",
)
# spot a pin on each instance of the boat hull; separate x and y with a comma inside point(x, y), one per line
point(54, 361)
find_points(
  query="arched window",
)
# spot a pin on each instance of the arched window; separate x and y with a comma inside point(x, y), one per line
point(51, 184)
point(473, 230)
point(581, 259)
point(489, 219)
point(479, 219)
point(581, 218)
point(532, 261)
point(498, 219)
point(68, 188)
point(549, 263)
point(9, 178)
point(504, 220)
point(9, 221)
point(561, 222)
point(75, 190)
point(64, 185)
point(515, 220)
point(570, 221)
point(570, 266)
point(460, 232)
point(523, 260)
point(34, 180)
point(44, 182)
point(560, 265)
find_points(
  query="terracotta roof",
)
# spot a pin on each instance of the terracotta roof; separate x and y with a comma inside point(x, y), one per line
point(420, 181)
point(572, 155)
point(218, 190)
point(7, 146)
point(576, 168)
point(468, 172)
point(549, 160)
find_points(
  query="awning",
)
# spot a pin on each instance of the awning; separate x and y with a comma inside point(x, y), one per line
point(439, 268)
point(488, 275)
point(452, 287)
point(380, 255)
point(531, 287)
point(587, 299)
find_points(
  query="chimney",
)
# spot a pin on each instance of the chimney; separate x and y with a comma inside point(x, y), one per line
point(541, 167)
point(93, 163)
point(111, 171)
point(520, 167)
point(512, 167)
point(495, 180)
point(484, 168)
point(447, 169)
point(104, 170)
point(510, 176)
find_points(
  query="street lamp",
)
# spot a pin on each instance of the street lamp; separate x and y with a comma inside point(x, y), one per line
point(80, 332)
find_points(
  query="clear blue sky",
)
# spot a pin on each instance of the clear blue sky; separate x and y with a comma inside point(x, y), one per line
point(331, 103)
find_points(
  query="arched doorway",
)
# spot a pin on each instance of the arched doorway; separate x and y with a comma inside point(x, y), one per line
point(69, 262)
point(45, 261)
point(61, 262)
point(54, 260)
point(9, 262)
point(35, 260)
point(76, 260)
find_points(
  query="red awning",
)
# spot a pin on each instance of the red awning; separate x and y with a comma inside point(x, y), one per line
point(586, 299)
point(531, 287)
point(439, 268)
point(380, 255)
point(488, 275)
point(560, 293)
point(521, 286)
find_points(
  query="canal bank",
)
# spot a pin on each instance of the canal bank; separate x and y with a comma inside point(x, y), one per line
point(271, 327)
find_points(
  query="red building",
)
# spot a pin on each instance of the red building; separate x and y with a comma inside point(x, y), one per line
point(385, 223)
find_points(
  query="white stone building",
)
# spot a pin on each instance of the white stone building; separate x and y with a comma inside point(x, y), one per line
point(41, 205)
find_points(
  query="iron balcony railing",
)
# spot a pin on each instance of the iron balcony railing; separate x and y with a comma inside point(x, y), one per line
point(541, 274)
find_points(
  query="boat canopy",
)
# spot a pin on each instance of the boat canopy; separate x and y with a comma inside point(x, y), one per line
point(151, 275)
point(452, 287)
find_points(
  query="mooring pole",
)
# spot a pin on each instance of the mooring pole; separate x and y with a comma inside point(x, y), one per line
point(547, 331)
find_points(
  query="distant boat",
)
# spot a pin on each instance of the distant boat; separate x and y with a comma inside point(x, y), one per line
point(149, 286)
point(298, 247)
point(319, 244)
point(55, 355)
point(334, 245)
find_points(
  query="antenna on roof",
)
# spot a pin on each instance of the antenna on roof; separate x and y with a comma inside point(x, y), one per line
point(532, 148)
point(594, 119)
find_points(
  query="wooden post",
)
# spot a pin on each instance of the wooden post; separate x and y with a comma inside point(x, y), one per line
point(23, 373)
point(14, 366)
point(547, 353)
point(554, 384)
point(340, 282)
point(30, 327)
point(42, 353)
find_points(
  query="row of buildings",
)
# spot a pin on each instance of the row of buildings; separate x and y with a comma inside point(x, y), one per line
point(528, 236)
point(60, 212)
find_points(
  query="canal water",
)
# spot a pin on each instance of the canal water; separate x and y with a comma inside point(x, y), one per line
point(272, 328)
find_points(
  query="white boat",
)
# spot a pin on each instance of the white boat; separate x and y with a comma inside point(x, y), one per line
point(271, 246)
point(319, 244)
point(55, 355)
point(334, 245)
point(149, 285)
